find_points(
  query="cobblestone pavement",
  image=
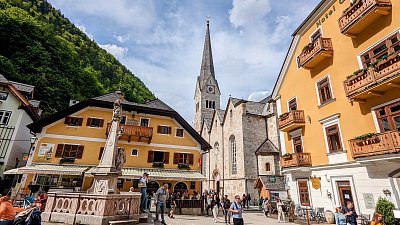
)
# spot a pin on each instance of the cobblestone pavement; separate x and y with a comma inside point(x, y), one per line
point(254, 218)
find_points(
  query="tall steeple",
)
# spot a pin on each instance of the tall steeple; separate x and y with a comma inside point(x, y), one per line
point(207, 96)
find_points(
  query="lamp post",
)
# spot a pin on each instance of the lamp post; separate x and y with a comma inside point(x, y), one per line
point(32, 140)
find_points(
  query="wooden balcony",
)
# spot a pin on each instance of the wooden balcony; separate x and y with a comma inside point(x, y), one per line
point(134, 133)
point(362, 14)
point(379, 144)
point(296, 160)
point(385, 75)
point(291, 120)
point(315, 52)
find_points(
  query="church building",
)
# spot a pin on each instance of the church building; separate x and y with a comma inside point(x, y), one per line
point(245, 156)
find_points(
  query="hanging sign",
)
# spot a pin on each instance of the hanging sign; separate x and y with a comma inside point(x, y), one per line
point(316, 182)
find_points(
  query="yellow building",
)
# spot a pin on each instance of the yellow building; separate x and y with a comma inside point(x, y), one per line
point(155, 138)
point(338, 99)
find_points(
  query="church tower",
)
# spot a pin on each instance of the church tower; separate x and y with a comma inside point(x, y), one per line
point(207, 93)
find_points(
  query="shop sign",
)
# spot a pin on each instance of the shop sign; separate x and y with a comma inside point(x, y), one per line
point(46, 150)
point(316, 182)
point(369, 200)
point(327, 14)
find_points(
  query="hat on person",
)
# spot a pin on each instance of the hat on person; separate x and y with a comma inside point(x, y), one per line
point(338, 206)
point(145, 173)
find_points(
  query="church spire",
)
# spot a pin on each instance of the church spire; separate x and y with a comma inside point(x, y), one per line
point(207, 64)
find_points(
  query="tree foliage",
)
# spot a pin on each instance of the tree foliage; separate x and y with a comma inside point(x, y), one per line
point(39, 46)
point(386, 207)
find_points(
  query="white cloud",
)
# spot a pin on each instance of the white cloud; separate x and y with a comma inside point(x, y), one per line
point(83, 29)
point(121, 38)
point(117, 51)
point(248, 12)
point(258, 96)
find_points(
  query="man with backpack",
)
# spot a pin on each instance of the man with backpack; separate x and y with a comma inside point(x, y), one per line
point(237, 210)
point(226, 204)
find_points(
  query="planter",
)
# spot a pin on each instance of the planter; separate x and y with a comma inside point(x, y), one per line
point(184, 166)
point(330, 217)
point(158, 165)
point(287, 157)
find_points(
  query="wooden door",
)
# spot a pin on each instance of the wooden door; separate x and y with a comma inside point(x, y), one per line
point(303, 193)
point(345, 192)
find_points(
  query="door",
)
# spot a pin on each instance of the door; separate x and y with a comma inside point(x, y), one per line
point(303, 193)
point(345, 192)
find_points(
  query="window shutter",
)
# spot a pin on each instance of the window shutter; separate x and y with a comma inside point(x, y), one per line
point(191, 156)
point(101, 123)
point(101, 152)
point(166, 157)
point(169, 130)
point(59, 151)
point(176, 158)
point(88, 121)
point(80, 120)
point(150, 157)
point(67, 120)
point(159, 129)
point(79, 153)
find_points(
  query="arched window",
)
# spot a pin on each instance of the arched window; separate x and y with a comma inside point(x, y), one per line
point(206, 103)
point(216, 149)
point(232, 150)
point(267, 167)
point(213, 104)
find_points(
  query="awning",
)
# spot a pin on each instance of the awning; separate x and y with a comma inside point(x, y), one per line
point(163, 174)
point(50, 169)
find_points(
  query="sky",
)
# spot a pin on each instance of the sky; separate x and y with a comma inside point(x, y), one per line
point(161, 42)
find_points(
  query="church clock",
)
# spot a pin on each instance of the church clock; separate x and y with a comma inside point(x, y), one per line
point(211, 89)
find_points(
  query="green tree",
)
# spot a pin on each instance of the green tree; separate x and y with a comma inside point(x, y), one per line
point(386, 207)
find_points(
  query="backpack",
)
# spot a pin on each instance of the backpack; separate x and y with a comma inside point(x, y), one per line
point(227, 204)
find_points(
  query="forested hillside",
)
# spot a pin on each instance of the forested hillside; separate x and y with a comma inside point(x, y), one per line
point(39, 46)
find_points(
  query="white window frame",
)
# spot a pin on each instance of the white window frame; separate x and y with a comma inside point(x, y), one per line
point(3, 117)
point(298, 189)
point(183, 132)
point(327, 122)
point(137, 152)
point(144, 118)
point(4, 92)
point(360, 65)
point(290, 99)
point(330, 87)
point(164, 126)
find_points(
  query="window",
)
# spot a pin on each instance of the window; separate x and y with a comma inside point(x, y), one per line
point(192, 184)
point(213, 104)
point(267, 167)
point(4, 117)
point(383, 49)
point(3, 95)
point(69, 151)
point(333, 136)
point(324, 90)
point(179, 132)
point(232, 149)
point(101, 153)
point(183, 158)
point(303, 192)
point(317, 34)
point(164, 130)
point(134, 152)
point(123, 120)
point(297, 145)
point(158, 156)
point(389, 117)
point(293, 104)
point(73, 121)
point(94, 122)
point(210, 104)
point(144, 122)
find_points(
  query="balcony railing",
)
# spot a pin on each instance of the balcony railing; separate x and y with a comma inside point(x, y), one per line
point(361, 14)
point(378, 144)
point(315, 52)
point(296, 160)
point(291, 120)
point(137, 133)
point(374, 81)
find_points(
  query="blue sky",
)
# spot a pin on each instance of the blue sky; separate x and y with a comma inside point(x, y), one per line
point(161, 42)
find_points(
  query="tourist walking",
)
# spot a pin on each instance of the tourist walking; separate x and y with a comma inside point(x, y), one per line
point(351, 215)
point(244, 199)
point(161, 197)
point(248, 199)
point(340, 218)
point(214, 206)
point(7, 213)
point(208, 203)
point(143, 190)
point(281, 214)
point(226, 204)
point(377, 219)
point(237, 210)
point(172, 204)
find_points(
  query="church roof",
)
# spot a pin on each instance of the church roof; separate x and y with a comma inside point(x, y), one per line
point(220, 114)
point(267, 147)
point(207, 63)
point(254, 108)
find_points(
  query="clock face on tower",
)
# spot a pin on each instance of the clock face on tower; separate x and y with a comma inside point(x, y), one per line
point(210, 89)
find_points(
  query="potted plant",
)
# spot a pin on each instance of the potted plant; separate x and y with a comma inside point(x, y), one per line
point(366, 139)
point(183, 166)
point(283, 115)
point(307, 47)
point(287, 156)
point(158, 164)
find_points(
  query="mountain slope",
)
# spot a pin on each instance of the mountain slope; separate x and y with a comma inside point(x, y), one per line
point(39, 46)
